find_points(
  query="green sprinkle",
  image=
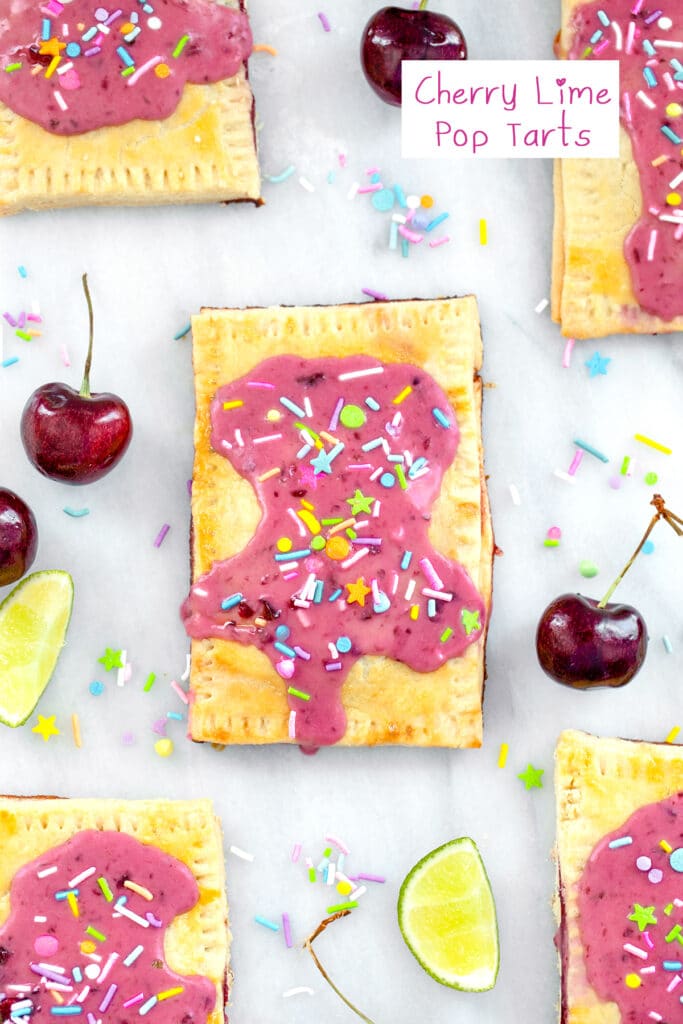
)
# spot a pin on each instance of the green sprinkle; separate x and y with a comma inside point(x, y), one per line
point(342, 906)
point(24, 335)
point(95, 934)
point(298, 693)
point(182, 43)
point(318, 543)
point(13, 67)
point(588, 569)
point(401, 477)
point(673, 934)
point(651, 479)
point(551, 542)
point(625, 464)
point(446, 635)
point(668, 909)
point(149, 683)
point(351, 534)
point(328, 852)
point(331, 522)
point(106, 891)
point(127, 72)
point(311, 875)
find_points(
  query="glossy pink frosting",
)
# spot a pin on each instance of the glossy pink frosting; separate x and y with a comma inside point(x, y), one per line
point(76, 65)
point(315, 612)
point(647, 40)
point(36, 955)
point(631, 914)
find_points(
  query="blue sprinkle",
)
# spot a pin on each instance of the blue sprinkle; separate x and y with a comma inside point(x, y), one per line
point(596, 36)
point(650, 77)
point(370, 445)
point(672, 965)
point(284, 649)
point(670, 134)
point(405, 247)
point(63, 893)
point(293, 407)
point(441, 418)
point(23, 272)
point(77, 974)
point(73, 50)
point(318, 595)
point(622, 841)
point(372, 403)
point(387, 480)
point(125, 56)
point(76, 513)
point(303, 452)
point(282, 632)
point(431, 607)
point(181, 334)
point(401, 196)
point(66, 1011)
point(649, 48)
point(287, 173)
point(406, 560)
point(231, 601)
point(383, 200)
point(416, 466)
point(374, 178)
point(175, 715)
point(10, 362)
point(292, 555)
point(47, 29)
point(90, 34)
point(648, 547)
point(676, 860)
point(266, 923)
point(393, 235)
point(668, 646)
point(437, 220)
point(330, 178)
point(343, 644)
point(603, 18)
point(591, 450)
point(96, 687)
point(336, 594)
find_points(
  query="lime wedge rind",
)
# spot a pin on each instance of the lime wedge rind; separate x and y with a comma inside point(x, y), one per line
point(424, 889)
point(34, 618)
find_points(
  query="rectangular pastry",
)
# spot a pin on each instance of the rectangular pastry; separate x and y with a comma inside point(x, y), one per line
point(111, 908)
point(618, 237)
point(357, 611)
point(135, 104)
point(619, 861)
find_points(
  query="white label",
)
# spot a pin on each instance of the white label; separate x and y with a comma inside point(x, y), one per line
point(507, 109)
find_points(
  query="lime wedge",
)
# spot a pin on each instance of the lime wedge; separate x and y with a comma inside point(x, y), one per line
point(34, 619)
point(447, 917)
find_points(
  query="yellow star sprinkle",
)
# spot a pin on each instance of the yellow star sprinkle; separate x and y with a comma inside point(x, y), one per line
point(46, 727)
point(357, 592)
point(52, 47)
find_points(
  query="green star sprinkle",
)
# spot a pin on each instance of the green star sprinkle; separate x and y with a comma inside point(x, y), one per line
point(359, 503)
point(470, 621)
point(111, 659)
point(531, 777)
point(643, 916)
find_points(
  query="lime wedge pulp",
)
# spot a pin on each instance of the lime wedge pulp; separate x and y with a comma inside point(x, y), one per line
point(447, 917)
point(34, 619)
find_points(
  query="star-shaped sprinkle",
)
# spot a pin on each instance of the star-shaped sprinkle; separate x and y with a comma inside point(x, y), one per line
point(470, 621)
point(111, 659)
point(322, 463)
point(597, 364)
point(531, 777)
point(52, 47)
point(46, 727)
point(643, 916)
point(357, 592)
point(359, 503)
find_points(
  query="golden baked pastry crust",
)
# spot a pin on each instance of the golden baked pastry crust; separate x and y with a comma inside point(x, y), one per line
point(599, 783)
point(597, 202)
point(197, 942)
point(238, 696)
point(204, 152)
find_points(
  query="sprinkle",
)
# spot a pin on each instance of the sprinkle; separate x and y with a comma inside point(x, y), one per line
point(300, 990)
point(47, 871)
point(483, 232)
point(183, 332)
point(349, 905)
point(566, 357)
point(306, 184)
point(542, 305)
point(441, 418)
point(66, 1011)
point(354, 374)
point(591, 451)
point(439, 241)
point(140, 890)
point(76, 513)
point(622, 841)
point(161, 535)
point(287, 930)
point(106, 891)
point(231, 601)
point(146, 1007)
point(111, 992)
point(266, 923)
point(298, 693)
point(134, 999)
point(635, 951)
point(164, 748)
point(169, 993)
point(673, 734)
point(95, 934)
point(133, 955)
point(149, 683)
point(446, 635)
point(668, 646)
point(652, 444)
point(324, 21)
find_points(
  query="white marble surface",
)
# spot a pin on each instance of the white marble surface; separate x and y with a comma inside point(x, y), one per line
point(149, 269)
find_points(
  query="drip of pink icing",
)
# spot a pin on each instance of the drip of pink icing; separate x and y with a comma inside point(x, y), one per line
point(614, 880)
point(69, 92)
point(38, 954)
point(654, 246)
point(293, 601)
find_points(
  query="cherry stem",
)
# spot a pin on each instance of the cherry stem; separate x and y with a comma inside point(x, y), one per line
point(85, 386)
point(308, 944)
point(674, 521)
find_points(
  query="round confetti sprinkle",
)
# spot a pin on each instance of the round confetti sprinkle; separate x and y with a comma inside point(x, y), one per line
point(674, 110)
point(164, 747)
point(615, 482)
point(46, 945)
point(412, 202)
point(665, 23)
point(676, 859)
point(648, 547)
point(343, 644)
point(673, 199)
point(101, 14)
point(344, 888)
point(655, 876)
point(88, 947)
point(651, 479)
point(154, 23)
point(352, 416)
point(643, 863)
point(632, 981)
point(91, 970)
point(73, 50)
point(284, 544)
point(337, 548)
point(427, 202)
point(383, 200)
point(96, 687)
point(273, 415)
point(554, 533)
point(162, 71)
point(387, 480)
point(588, 569)
point(318, 543)
point(282, 632)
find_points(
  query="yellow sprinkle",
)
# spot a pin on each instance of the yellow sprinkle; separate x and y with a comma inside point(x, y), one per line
point(73, 903)
point(263, 48)
point(426, 202)
point(284, 544)
point(309, 519)
point(273, 415)
point(88, 947)
point(140, 890)
point(652, 444)
point(268, 474)
point(503, 755)
point(162, 71)
point(58, 998)
point(76, 729)
point(671, 738)
point(632, 981)
point(344, 888)
point(483, 233)
point(402, 395)
point(659, 160)
point(233, 405)
point(164, 747)
point(414, 612)
point(342, 526)
point(674, 110)
point(673, 199)
point(169, 992)
point(665, 846)
point(307, 504)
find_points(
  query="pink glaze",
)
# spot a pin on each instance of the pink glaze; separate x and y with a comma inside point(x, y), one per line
point(116, 858)
point(310, 597)
point(654, 246)
point(613, 882)
point(71, 94)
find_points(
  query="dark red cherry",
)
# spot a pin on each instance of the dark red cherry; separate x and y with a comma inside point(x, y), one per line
point(75, 436)
point(582, 645)
point(394, 34)
point(18, 538)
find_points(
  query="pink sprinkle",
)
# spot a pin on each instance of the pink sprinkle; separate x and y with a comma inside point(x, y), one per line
point(296, 852)
point(412, 236)
point(335, 415)
point(439, 241)
point(10, 319)
point(161, 535)
point(367, 878)
point(431, 574)
point(648, 940)
point(377, 187)
point(159, 727)
point(65, 355)
point(674, 983)
point(555, 533)
point(260, 384)
point(576, 461)
point(601, 46)
point(379, 296)
point(34, 318)
point(636, 7)
point(179, 690)
point(324, 21)
point(134, 999)
point(287, 930)
point(285, 668)
point(21, 322)
point(338, 843)
point(46, 945)
point(566, 358)
point(372, 170)
point(342, 159)
point(111, 992)
point(302, 653)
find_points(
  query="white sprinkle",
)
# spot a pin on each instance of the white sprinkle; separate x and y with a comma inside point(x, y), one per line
point(543, 304)
point(121, 673)
point(47, 871)
point(651, 245)
point(353, 191)
point(267, 437)
point(305, 183)
point(514, 494)
point(561, 475)
point(668, 646)
point(82, 877)
point(59, 99)
point(300, 991)
point(292, 725)
point(360, 891)
point(676, 181)
point(40, 919)
point(122, 909)
point(186, 674)
point(356, 557)
point(635, 950)
point(242, 854)
point(361, 373)
point(672, 44)
point(409, 590)
point(645, 99)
